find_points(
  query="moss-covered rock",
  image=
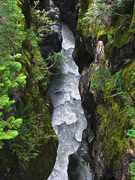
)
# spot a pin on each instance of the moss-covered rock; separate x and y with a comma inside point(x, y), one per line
point(36, 144)
point(114, 99)
point(116, 115)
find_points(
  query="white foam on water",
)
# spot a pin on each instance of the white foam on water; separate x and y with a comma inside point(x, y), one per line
point(68, 117)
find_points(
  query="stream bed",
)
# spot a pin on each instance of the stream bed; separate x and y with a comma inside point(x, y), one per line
point(68, 117)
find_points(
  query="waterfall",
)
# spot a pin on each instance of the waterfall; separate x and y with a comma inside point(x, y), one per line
point(68, 117)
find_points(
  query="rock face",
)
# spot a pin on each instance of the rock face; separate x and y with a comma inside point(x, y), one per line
point(68, 12)
point(87, 99)
point(118, 56)
point(123, 169)
point(107, 148)
point(106, 114)
point(81, 55)
point(32, 107)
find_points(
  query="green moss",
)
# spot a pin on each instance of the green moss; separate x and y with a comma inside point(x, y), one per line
point(108, 50)
point(129, 78)
point(112, 134)
point(36, 122)
point(103, 31)
point(104, 58)
point(109, 87)
point(114, 121)
point(25, 60)
point(100, 110)
point(117, 95)
point(32, 108)
point(132, 25)
point(42, 166)
point(120, 39)
point(128, 147)
point(36, 134)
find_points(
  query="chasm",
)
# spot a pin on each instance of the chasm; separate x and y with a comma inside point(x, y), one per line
point(68, 117)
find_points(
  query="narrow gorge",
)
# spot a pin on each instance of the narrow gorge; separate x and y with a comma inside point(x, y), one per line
point(68, 118)
point(67, 106)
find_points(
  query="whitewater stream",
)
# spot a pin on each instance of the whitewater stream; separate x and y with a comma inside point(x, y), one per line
point(68, 117)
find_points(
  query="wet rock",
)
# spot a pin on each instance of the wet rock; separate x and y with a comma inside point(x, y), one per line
point(87, 98)
point(126, 158)
point(79, 162)
point(81, 55)
point(44, 4)
point(99, 162)
point(68, 12)
point(100, 169)
point(78, 169)
point(89, 50)
point(90, 45)
point(118, 55)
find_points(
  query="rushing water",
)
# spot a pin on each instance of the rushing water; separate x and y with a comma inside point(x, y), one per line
point(68, 117)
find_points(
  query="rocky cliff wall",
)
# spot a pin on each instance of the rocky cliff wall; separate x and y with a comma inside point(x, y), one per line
point(68, 12)
point(31, 155)
point(107, 91)
point(106, 61)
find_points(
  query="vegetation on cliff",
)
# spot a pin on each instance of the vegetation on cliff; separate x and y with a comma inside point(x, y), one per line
point(112, 81)
point(24, 79)
point(11, 35)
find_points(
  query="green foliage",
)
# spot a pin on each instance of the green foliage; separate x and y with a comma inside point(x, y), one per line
point(99, 78)
point(41, 69)
point(10, 18)
point(99, 18)
point(132, 165)
point(28, 142)
point(131, 133)
point(112, 133)
point(32, 109)
point(42, 20)
point(54, 62)
point(127, 61)
point(11, 35)
point(20, 44)
point(35, 130)
point(133, 78)
point(33, 37)
point(94, 18)
point(116, 86)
